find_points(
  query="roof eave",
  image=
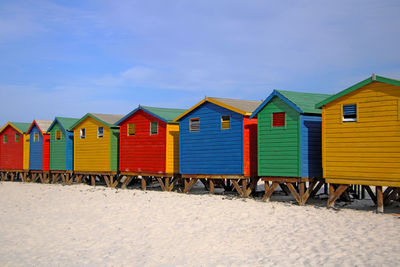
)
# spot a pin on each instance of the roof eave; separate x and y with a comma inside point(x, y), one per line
point(11, 125)
point(269, 98)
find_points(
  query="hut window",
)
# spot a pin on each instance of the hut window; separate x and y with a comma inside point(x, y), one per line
point(153, 128)
point(278, 119)
point(16, 138)
point(194, 125)
point(36, 137)
point(58, 135)
point(5, 139)
point(349, 113)
point(100, 132)
point(225, 122)
point(131, 129)
point(83, 133)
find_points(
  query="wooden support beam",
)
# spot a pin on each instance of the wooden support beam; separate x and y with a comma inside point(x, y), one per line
point(308, 192)
point(379, 199)
point(211, 181)
point(271, 189)
point(392, 196)
point(160, 181)
point(78, 178)
point(113, 182)
point(93, 180)
point(294, 192)
point(370, 193)
point(143, 184)
point(107, 180)
point(12, 177)
point(128, 179)
point(336, 194)
point(237, 187)
point(189, 185)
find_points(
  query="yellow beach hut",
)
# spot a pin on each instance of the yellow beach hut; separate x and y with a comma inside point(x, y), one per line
point(361, 139)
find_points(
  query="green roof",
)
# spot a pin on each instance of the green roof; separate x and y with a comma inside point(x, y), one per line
point(66, 123)
point(168, 114)
point(305, 101)
point(22, 126)
point(373, 78)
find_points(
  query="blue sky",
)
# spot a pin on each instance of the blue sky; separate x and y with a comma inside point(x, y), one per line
point(67, 58)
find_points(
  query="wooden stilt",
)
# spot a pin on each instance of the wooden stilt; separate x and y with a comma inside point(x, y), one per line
point(161, 184)
point(78, 178)
point(143, 184)
point(379, 199)
point(12, 177)
point(211, 181)
point(334, 195)
point(127, 181)
point(107, 180)
point(237, 187)
point(189, 185)
point(307, 194)
point(93, 180)
point(294, 192)
point(271, 189)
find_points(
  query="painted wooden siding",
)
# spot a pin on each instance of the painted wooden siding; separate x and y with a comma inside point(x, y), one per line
point(367, 151)
point(91, 153)
point(11, 153)
point(114, 149)
point(311, 155)
point(26, 151)
point(143, 152)
point(250, 146)
point(172, 157)
point(46, 152)
point(36, 150)
point(69, 164)
point(58, 149)
point(278, 147)
point(212, 150)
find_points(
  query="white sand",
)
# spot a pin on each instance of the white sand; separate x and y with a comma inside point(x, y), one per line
point(53, 225)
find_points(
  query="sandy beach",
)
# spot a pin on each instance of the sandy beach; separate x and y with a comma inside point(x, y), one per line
point(55, 225)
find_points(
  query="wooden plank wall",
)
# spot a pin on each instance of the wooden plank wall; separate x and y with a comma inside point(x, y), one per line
point(172, 149)
point(278, 147)
point(367, 151)
point(311, 155)
point(91, 153)
point(212, 150)
point(11, 153)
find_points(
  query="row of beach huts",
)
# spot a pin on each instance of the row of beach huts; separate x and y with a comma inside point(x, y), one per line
point(298, 141)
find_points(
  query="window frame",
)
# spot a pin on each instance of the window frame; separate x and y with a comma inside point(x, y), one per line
point(191, 120)
point(151, 133)
point(222, 122)
point(5, 139)
point(346, 120)
point(100, 135)
point(36, 137)
point(128, 128)
point(273, 120)
point(16, 138)
point(56, 132)
point(82, 130)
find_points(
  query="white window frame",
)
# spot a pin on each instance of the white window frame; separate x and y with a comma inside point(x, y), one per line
point(349, 119)
point(191, 120)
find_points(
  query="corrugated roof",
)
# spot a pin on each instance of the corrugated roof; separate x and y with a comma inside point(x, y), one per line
point(22, 126)
point(168, 114)
point(305, 101)
point(43, 124)
point(108, 118)
point(247, 106)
